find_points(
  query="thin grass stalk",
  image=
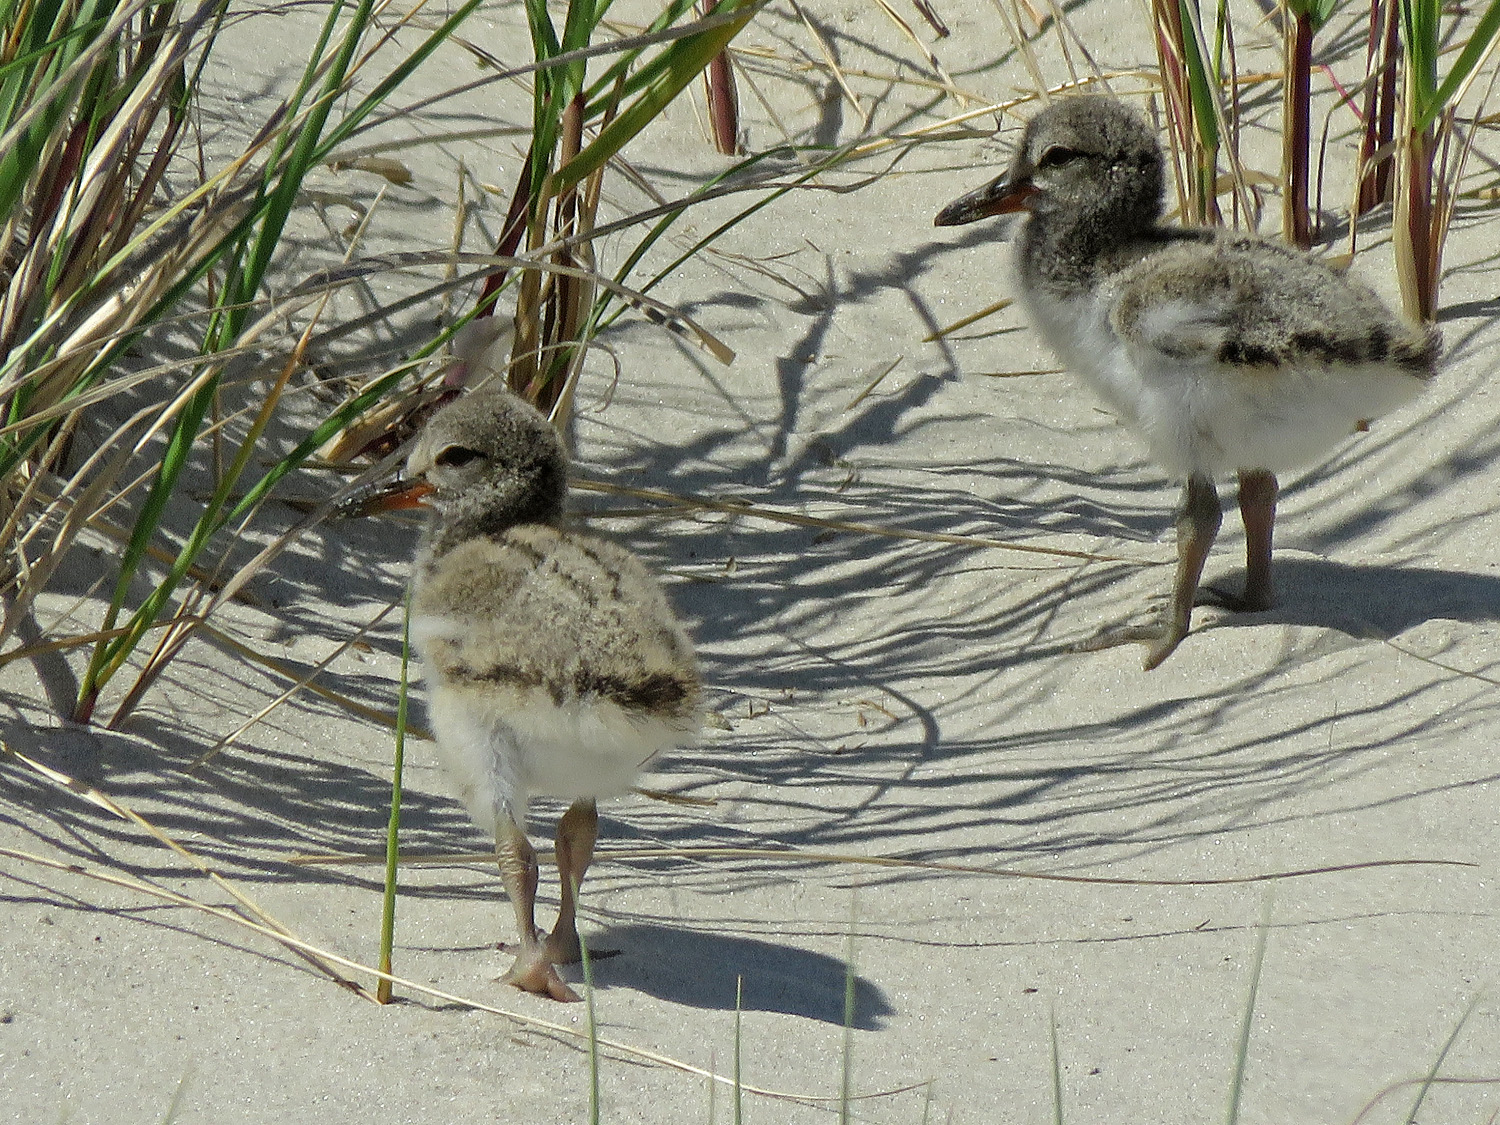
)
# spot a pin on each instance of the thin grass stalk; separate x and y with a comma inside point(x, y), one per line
point(303, 682)
point(1023, 47)
point(1057, 1093)
point(274, 207)
point(1412, 230)
point(846, 1062)
point(592, 1022)
point(567, 294)
point(301, 157)
point(671, 72)
point(261, 918)
point(393, 826)
point(1171, 52)
point(739, 1011)
point(1408, 1083)
point(78, 213)
point(804, 856)
point(1431, 1078)
point(1242, 1051)
point(1210, 122)
point(510, 238)
point(109, 657)
point(44, 89)
point(1427, 114)
point(185, 627)
point(551, 322)
point(1203, 86)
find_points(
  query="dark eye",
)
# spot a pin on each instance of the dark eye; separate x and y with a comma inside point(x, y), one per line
point(1057, 156)
point(457, 455)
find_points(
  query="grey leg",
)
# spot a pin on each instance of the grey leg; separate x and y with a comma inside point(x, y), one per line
point(532, 971)
point(1198, 523)
point(576, 833)
point(1258, 491)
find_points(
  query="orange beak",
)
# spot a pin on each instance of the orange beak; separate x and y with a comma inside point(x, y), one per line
point(391, 497)
point(1003, 196)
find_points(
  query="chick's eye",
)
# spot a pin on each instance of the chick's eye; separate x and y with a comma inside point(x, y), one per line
point(1057, 156)
point(457, 455)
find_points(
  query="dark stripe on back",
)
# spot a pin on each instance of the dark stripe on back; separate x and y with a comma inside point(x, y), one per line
point(588, 551)
point(1242, 354)
point(653, 692)
point(507, 674)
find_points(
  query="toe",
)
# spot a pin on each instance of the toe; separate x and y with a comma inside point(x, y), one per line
point(532, 972)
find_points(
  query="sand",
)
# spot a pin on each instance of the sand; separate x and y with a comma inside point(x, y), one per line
point(874, 697)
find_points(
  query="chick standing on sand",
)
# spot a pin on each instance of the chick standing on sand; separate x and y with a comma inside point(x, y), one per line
point(1225, 352)
point(555, 664)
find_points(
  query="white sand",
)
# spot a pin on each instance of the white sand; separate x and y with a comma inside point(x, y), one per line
point(880, 697)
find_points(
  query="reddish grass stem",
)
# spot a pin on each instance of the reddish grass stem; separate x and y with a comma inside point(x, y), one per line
point(1380, 107)
point(1296, 223)
point(723, 99)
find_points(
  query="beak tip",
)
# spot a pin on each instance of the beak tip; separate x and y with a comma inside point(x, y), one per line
point(395, 496)
point(1005, 196)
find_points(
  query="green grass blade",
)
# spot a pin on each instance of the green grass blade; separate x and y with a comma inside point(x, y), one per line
point(679, 64)
point(393, 827)
point(1437, 1063)
point(1482, 40)
point(1419, 32)
point(174, 458)
point(593, 1025)
point(1057, 1099)
point(1242, 1051)
point(1200, 83)
point(621, 68)
point(301, 158)
point(739, 1011)
point(361, 110)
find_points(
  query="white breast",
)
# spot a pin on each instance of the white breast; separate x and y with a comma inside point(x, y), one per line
point(1197, 415)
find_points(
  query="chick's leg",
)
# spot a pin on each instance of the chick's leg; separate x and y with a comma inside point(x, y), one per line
point(576, 833)
point(1258, 491)
point(532, 970)
point(1198, 523)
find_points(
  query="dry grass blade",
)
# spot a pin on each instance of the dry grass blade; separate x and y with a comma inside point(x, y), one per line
point(1412, 1083)
point(672, 319)
point(266, 921)
point(79, 511)
point(1023, 48)
point(932, 60)
point(302, 682)
point(874, 383)
point(106, 41)
point(972, 318)
point(311, 951)
point(745, 508)
point(1065, 32)
point(185, 621)
point(833, 65)
point(239, 648)
point(800, 855)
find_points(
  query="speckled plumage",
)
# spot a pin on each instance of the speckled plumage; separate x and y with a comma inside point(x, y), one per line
point(1223, 351)
point(554, 662)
